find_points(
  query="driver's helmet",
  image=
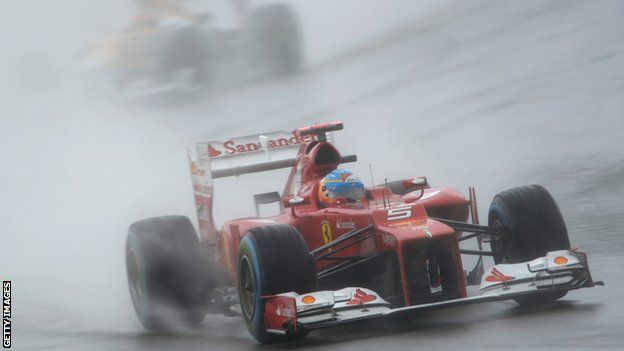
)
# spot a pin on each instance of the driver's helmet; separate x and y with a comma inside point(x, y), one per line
point(341, 188)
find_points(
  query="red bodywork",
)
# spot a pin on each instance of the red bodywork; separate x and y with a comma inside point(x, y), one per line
point(401, 224)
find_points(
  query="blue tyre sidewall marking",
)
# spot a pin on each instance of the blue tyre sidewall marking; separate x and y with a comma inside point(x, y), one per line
point(256, 319)
point(499, 213)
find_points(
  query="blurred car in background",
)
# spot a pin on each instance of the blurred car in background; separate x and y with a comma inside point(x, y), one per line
point(179, 46)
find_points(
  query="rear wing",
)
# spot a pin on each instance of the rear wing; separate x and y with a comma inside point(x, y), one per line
point(248, 154)
point(237, 156)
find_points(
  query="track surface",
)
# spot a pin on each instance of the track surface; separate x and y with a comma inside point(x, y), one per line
point(492, 94)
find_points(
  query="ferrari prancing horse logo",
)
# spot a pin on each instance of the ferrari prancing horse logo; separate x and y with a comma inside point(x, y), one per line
point(327, 232)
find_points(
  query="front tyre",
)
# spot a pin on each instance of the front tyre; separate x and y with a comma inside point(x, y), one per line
point(168, 272)
point(537, 227)
point(187, 52)
point(271, 260)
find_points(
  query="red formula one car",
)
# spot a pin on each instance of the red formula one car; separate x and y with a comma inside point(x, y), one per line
point(338, 251)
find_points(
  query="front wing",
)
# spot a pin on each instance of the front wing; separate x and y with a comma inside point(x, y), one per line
point(558, 270)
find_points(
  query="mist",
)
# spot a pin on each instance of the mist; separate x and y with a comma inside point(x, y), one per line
point(493, 94)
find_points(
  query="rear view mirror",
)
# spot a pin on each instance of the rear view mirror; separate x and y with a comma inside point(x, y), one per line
point(296, 200)
point(420, 181)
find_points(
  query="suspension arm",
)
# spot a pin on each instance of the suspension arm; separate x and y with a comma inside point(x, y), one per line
point(474, 228)
point(342, 239)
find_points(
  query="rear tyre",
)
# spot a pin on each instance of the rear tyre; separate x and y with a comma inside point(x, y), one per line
point(275, 39)
point(271, 260)
point(169, 273)
point(537, 227)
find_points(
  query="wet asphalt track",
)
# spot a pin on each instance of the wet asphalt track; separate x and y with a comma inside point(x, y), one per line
point(489, 94)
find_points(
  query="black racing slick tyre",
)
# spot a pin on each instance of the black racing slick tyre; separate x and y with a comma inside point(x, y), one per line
point(271, 260)
point(537, 227)
point(275, 39)
point(169, 273)
point(187, 50)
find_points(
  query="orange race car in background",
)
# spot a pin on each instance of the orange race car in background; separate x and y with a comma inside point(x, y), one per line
point(178, 46)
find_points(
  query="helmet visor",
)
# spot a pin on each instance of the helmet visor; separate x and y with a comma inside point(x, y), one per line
point(351, 194)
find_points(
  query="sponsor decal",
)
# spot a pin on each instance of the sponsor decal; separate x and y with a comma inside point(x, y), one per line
point(327, 232)
point(360, 297)
point(496, 276)
point(212, 152)
point(409, 222)
point(284, 311)
point(415, 224)
point(345, 224)
point(253, 143)
point(194, 168)
point(6, 314)
point(308, 299)
point(202, 190)
point(560, 260)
